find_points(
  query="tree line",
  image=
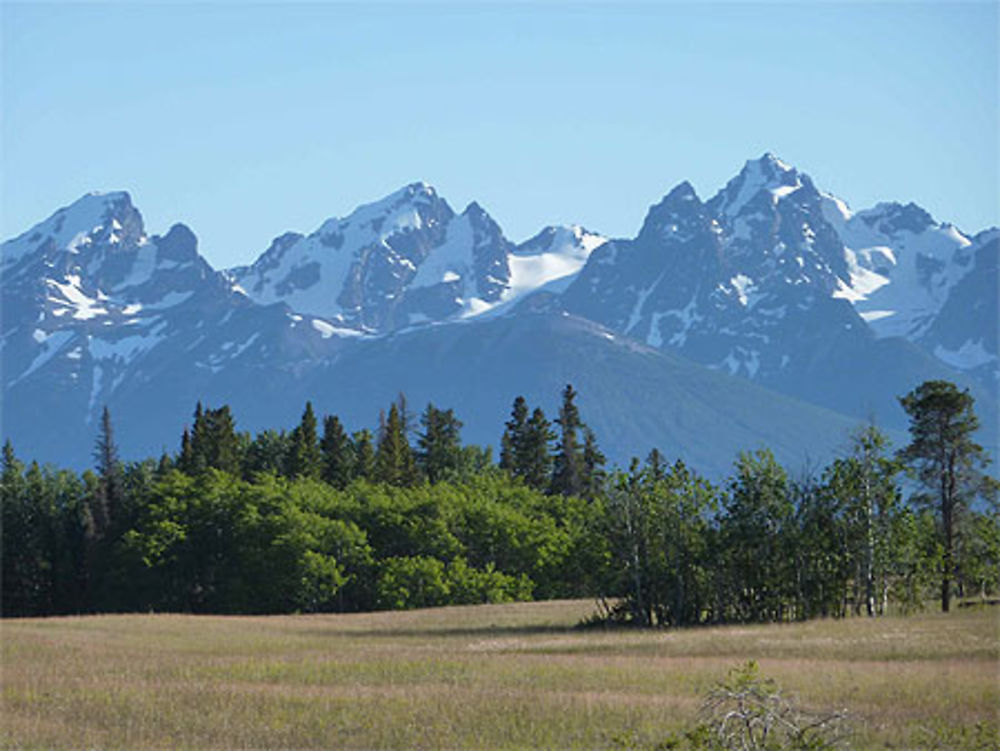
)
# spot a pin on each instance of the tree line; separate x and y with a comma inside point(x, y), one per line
point(317, 519)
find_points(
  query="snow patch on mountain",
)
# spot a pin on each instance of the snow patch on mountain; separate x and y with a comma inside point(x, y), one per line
point(901, 264)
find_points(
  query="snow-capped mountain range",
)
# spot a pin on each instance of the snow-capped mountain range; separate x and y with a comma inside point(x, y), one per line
point(409, 259)
point(771, 280)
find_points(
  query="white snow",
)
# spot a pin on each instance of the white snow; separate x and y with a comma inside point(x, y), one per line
point(884, 282)
point(452, 260)
point(170, 300)
point(783, 190)
point(688, 316)
point(126, 348)
point(869, 316)
point(655, 338)
point(971, 354)
point(63, 227)
point(753, 180)
point(81, 306)
point(744, 287)
point(327, 330)
point(636, 315)
point(554, 268)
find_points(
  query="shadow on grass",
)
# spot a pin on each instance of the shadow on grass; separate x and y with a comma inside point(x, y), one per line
point(445, 632)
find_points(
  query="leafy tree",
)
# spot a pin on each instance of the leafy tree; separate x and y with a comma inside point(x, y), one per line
point(337, 452)
point(946, 460)
point(864, 485)
point(659, 533)
point(757, 535)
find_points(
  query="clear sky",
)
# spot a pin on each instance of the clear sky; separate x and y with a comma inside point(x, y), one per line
point(244, 120)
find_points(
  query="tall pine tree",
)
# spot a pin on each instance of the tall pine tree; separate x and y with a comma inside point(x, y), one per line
point(362, 444)
point(568, 465)
point(946, 460)
point(338, 455)
point(394, 463)
point(439, 447)
point(536, 465)
point(512, 442)
point(305, 459)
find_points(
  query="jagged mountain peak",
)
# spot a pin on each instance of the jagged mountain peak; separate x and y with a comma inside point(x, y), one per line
point(95, 220)
point(768, 175)
point(678, 217)
point(891, 218)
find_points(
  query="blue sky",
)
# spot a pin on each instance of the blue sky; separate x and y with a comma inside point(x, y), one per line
point(244, 120)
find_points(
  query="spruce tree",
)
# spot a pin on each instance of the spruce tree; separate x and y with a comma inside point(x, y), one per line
point(108, 499)
point(513, 440)
point(537, 462)
point(439, 446)
point(199, 442)
point(364, 454)
point(394, 462)
point(222, 443)
point(305, 459)
point(593, 466)
point(946, 461)
point(656, 464)
point(568, 465)
point(337, 453)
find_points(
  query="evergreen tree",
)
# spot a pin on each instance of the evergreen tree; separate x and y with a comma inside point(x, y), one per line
point(305, 458)
point(439, 447)
point(212, 442)
point(364, 454)
point(185, 459)
point(568, 465)
point(946, 461)
point(656, 464)
point(220, 442)
point(337, 453)
point(266, 453)
point(394, 463)
point(593, 466)
point(107, 504)
point(513, 441)
point(537, 458)
point(199, 439)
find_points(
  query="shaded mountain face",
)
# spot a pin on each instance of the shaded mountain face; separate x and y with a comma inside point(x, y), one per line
point(94, 308)
point(775, 281)
point(770, 281)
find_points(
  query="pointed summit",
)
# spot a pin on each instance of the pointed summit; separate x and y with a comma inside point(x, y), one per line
point(680, 215)
point(766, 174)
point(95, 219)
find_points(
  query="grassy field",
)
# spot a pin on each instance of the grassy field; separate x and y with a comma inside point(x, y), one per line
point(494, 676)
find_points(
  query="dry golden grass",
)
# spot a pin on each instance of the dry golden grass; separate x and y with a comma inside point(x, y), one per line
point(494, 676)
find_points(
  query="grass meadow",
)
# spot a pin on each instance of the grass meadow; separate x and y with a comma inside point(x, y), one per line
point(491, 676)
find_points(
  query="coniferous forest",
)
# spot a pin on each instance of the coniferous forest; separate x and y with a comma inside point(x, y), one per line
point(320, 519)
